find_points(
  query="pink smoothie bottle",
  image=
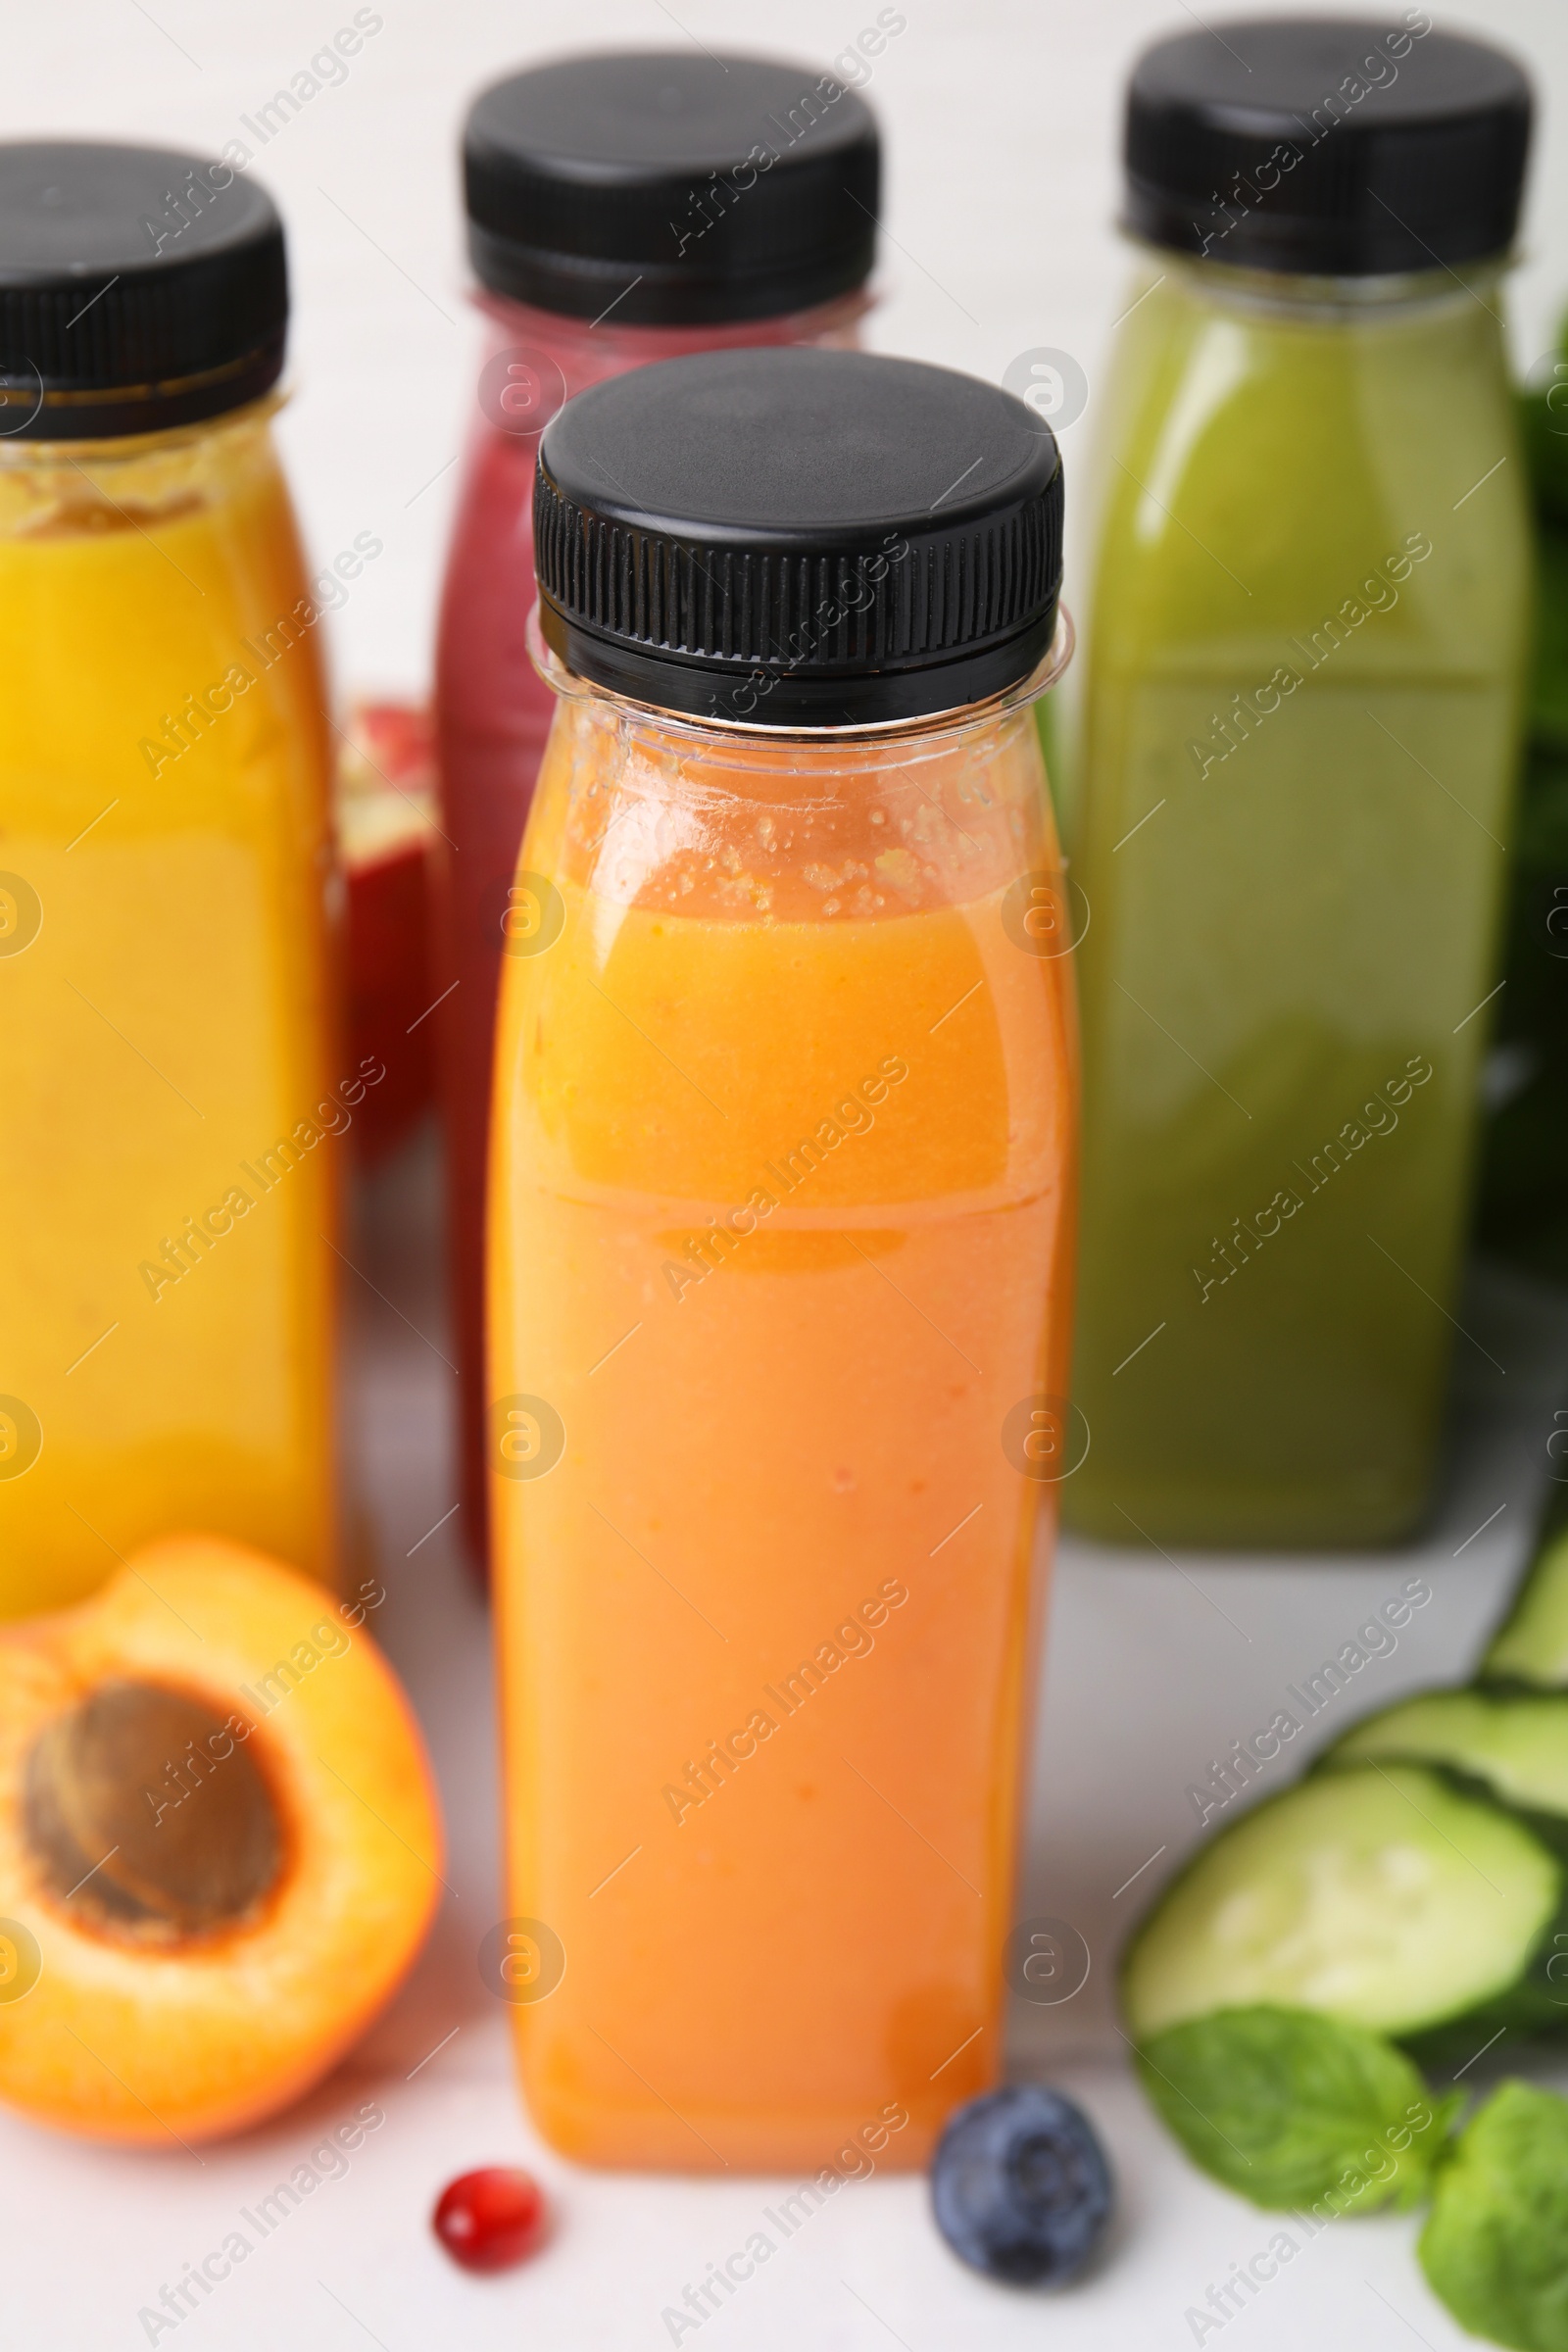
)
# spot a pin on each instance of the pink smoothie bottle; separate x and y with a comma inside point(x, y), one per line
point(622, 208)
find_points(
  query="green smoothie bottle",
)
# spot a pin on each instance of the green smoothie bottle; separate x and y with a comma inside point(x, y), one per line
point(1306, 637)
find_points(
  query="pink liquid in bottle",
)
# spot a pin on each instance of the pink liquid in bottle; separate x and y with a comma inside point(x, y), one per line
point(623, 209)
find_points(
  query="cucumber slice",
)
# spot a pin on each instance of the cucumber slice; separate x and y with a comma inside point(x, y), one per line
point(1531, 1645)
point(1517, 1743)
point(1380, 1895)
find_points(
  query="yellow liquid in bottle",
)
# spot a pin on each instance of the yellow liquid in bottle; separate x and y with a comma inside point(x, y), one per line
point(165, 1037)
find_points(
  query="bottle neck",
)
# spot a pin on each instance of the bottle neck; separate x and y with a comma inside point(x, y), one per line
point(69, 487)
point(681, 731)
point(232, 428)
point(1346, 300)
point(587, 350)
point(645, 807)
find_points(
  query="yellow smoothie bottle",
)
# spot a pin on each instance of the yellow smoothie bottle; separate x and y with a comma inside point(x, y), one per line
point(167, 1055)
point(780, 1229)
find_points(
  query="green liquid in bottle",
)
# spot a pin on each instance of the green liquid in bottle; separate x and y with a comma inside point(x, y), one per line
point(1302, 707)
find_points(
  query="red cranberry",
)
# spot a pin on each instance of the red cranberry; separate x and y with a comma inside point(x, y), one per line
point(491, 2218)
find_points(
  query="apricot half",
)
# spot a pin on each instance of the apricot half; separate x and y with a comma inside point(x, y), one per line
point(220, 1846)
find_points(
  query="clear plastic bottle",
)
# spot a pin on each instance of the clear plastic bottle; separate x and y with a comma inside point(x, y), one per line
point(623, 209)
point(168, 1179)
point(780, 1229)
point(1301, 702)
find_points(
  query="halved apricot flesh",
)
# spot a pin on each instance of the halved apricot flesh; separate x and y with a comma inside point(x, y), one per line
point(220, 1846)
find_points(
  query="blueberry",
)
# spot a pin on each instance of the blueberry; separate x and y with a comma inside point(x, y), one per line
point(1020, 2186)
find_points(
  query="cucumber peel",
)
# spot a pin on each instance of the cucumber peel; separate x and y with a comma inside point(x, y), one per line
point(1531, 1647)
point(1517, 1742)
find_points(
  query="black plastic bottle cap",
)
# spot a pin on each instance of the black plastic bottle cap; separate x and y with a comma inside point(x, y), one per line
point(672, 188)
point(1327, 146)
point(139, 288)
point(794, 537)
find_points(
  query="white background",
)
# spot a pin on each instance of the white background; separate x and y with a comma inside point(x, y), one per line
point(1002, 125)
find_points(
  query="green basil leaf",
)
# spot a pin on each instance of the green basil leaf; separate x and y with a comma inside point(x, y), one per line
point(1291, 2109)
point(1496, 2245)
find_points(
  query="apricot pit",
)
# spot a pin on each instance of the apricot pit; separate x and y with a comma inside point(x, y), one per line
point(97, 1825)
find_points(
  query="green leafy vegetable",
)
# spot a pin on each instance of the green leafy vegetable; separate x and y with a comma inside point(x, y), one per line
point(1496, 2245)
point(1289, 2109)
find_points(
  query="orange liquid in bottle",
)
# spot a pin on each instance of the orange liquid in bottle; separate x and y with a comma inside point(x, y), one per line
point(780, 1216)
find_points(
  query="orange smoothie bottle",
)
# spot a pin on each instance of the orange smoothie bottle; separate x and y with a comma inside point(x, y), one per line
point(171, 1088)
point(780, 1229)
